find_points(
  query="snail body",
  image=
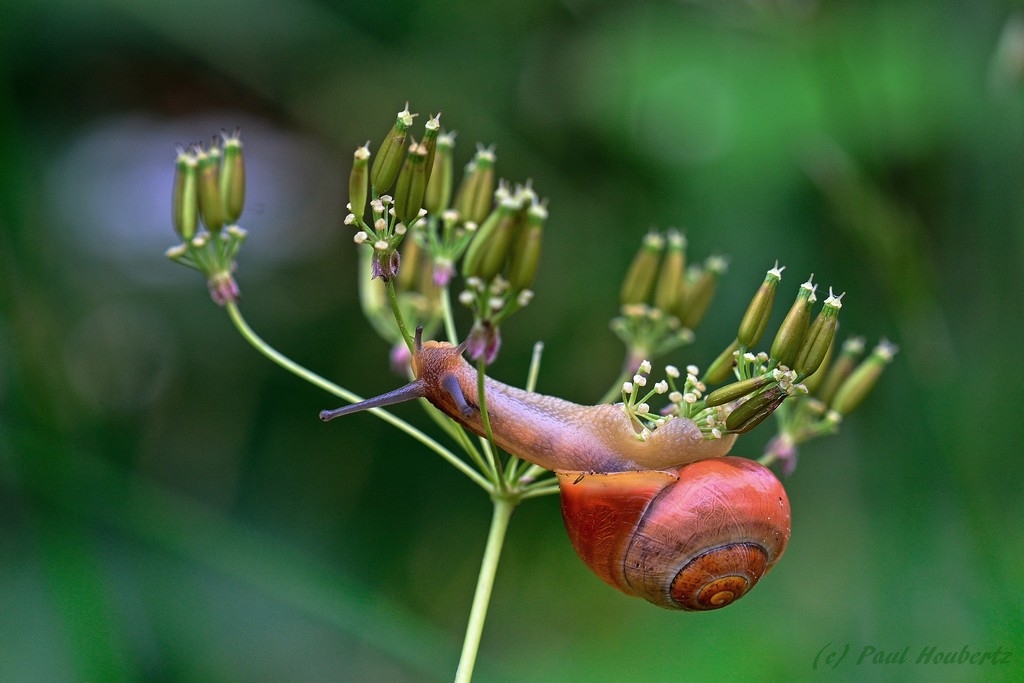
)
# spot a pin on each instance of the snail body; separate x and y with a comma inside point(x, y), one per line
point(670, 519)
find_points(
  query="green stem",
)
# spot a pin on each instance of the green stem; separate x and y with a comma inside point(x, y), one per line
point(318, 381)
point(393, 298)
point(490, 448)
point(503, 508)
point(448, 316)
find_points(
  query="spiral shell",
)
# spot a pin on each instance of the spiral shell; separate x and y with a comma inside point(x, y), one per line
point(697, 538)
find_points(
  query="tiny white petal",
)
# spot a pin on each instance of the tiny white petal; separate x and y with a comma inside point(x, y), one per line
point(672, 371)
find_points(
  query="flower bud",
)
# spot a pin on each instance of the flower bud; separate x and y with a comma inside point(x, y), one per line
point(412, 184)
point(721, 368)
point(819, 338)
point(358, 182)
point(793, 329)
point(701, 291)
point(850, 353)
point(232, 178)
point(208, 188)
point(754, 410)
point(862, 380)
point(439, 183)
point(736, 390)
point(671, 279)
point(475, 195)
point(431, 130)
point(184, 202)
point(639, 280)
point(388, 161)
point(484, 341)
point(525, 256)
point(486, 254)
point(760, 308)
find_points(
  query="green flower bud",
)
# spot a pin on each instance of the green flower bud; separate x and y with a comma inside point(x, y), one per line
point(639, 280)
point(851, 352)
point(671, 279)
point(208, 186)
point(486, 254)
point(793, 329)
point(760, 308)
point(525, 257)
point(701, 291)
point(736, 390)
point(862, 380)
point(359, 182)
point(754, 410)
point(388, 161)
point(819, 338)
point(184, 202)
point(721, 368)
point(431, 130)
point(232, 178)
point(439, 184)
point(475, 195)
point(412, 184)
point(815, 379)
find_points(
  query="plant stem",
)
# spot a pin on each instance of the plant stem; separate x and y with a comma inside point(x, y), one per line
point(316, 380)
point(503, 508)
point(393, 298)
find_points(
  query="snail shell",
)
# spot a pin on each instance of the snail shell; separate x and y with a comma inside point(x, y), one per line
point(696, 539)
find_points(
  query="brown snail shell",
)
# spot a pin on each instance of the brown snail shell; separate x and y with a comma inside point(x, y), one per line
point(698, 538)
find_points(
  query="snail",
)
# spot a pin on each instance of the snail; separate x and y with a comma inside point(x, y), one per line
point(672, 519)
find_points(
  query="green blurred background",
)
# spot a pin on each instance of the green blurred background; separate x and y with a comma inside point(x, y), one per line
point(170, 507)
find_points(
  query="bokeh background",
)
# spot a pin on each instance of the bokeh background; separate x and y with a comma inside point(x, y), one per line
point(171, 508)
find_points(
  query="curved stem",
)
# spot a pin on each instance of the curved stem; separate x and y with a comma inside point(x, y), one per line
point(503, 508)
point(328, 386)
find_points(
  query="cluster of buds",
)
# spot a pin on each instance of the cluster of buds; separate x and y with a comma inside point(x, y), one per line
point(798, 366)
point(500, 265)
point(209, 193)
point(837, 389)
point(662, 299)
point(419, 235)
point(404, 169)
